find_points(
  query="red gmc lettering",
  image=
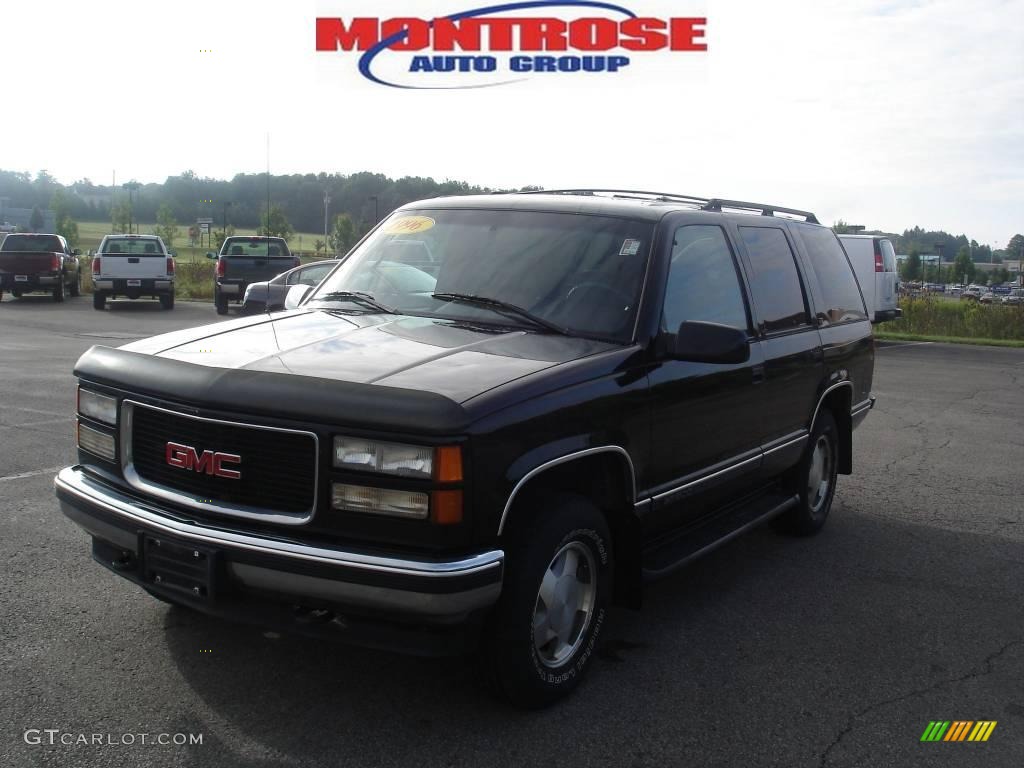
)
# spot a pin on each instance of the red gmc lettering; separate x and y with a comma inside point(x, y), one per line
point(186, 457)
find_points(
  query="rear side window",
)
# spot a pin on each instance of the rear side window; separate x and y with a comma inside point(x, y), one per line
point(837, 285)
point(702, 280)
point(888, 255)
point(775, 282)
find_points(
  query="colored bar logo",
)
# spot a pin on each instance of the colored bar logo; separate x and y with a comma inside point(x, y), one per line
point(958, 730)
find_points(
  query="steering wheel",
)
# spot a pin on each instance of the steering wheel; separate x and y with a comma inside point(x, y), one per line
point(626, 298)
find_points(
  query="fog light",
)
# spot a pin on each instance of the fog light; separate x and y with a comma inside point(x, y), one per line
point(380, 501)
point(97, 406)
point(96, 442)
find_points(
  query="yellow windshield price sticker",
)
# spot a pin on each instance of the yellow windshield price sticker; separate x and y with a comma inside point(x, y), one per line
point(409, 225)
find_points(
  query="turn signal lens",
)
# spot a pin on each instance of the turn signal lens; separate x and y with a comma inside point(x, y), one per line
point(449, 464)
point(446, 507)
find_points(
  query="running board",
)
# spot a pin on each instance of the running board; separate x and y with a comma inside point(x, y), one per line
point(686, 548)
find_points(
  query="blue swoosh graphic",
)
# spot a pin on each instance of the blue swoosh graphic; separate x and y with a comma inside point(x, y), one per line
point(367, 58)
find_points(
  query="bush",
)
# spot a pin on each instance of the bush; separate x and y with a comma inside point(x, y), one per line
point(930, 316)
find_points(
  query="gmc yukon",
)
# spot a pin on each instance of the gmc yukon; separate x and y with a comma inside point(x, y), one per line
point(592, 389)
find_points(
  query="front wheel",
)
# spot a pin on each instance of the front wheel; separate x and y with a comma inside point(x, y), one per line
point(540, 640)
point(815, 479)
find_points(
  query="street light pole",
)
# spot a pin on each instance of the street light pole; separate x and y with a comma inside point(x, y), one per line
point(226, 206)
point(327, 201)
point(131, 186)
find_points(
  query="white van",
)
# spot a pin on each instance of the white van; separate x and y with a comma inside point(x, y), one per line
point(874, 261)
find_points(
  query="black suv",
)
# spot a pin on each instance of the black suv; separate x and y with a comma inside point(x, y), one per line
point(587, 389)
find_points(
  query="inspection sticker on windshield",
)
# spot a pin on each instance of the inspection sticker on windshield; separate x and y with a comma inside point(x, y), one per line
point(630, 247)
point(407, 225)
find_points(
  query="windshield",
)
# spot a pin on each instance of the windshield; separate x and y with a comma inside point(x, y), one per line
point(578, 273)
point(32, 243)
point(254, 246)
point(136, 246)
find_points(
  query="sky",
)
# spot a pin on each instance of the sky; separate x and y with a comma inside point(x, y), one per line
point(886, 113)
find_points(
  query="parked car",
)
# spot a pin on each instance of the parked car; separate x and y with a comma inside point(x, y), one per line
point(38, 262)
point(594, 390)
point(874, 261)
point(245, 260)
point(1015, 297)
point(132, 266)
point(973, 293)
point(268, 295)
point(988, 298)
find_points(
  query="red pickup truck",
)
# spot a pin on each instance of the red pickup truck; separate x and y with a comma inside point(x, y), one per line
point(30, 262)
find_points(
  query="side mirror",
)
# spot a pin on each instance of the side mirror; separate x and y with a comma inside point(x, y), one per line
point(700, 342)
point(295, 296)
point(76, 252)
point(211, 255)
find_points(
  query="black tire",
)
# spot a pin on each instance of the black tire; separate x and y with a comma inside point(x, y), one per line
point(221, 302)
point(810, 514)
point(76, 287)
point(60, 291)
point(99, 300)
point(167, 300)
point(16, 294)
point(522, 670)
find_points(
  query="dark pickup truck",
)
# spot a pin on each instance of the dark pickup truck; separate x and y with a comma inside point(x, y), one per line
point(590, 389)
point(245, 260)
point(31, 262)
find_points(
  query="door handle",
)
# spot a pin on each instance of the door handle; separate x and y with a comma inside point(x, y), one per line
point(757, 373)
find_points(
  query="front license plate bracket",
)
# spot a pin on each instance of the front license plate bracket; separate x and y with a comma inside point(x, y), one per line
point(178, 568)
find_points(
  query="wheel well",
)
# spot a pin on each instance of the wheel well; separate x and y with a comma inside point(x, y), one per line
point(839, 401)
point(606, 480)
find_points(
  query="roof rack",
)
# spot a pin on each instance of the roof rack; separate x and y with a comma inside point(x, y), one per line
point(705, 203)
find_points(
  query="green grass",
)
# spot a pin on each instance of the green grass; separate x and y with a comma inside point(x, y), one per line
point(888, 336)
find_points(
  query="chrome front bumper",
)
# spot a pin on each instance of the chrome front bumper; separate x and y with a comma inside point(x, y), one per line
point(443, 591)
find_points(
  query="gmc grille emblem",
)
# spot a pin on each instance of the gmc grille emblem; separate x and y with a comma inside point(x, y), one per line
point(210, 462)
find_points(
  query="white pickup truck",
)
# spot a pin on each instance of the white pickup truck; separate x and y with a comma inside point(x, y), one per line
point(132, 266)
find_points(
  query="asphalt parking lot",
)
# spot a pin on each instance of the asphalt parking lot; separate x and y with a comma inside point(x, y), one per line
point(831, 651)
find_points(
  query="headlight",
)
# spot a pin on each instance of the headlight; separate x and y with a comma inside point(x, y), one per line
point(380, 501)
point(386, 458)
point(97, 406)
point(96, 442)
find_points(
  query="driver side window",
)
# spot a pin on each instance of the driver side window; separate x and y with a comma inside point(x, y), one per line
point(703, 283)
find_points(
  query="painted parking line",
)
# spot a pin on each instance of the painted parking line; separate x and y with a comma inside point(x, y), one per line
point(34, 473)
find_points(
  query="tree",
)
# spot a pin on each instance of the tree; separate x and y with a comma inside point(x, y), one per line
point(1015, 248)
point(343, 236)
point(963, 267)
point(319, 245)
point(842, 228)
point(66, 226)
point(276, 225)
point(912, 266)
point(119, 217)
point(166, 225)
point(36, 221)
point(221, 235)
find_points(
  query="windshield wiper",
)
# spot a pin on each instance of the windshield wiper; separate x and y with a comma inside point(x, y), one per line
point(503, 306)
point(358, 297)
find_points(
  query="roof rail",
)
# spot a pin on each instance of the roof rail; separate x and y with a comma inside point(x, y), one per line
point(717, 204)
point(706, 203)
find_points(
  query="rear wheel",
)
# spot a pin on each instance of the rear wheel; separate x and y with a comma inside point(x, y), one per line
point(221, 302)
point(59, 292)
point(815, 479)
point(167, 300)
point(16, 294)
point(99, 300)
point(540, 639)
point(76, 287)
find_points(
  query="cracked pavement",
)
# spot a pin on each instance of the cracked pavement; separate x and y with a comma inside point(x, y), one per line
point(825, 652)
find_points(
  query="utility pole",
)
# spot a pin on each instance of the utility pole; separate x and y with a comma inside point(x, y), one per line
point(376, 216)
point(131, 186)
point(226, 206)
point(327, 201)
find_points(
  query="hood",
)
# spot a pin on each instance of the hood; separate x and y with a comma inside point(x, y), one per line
point(449, 358)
